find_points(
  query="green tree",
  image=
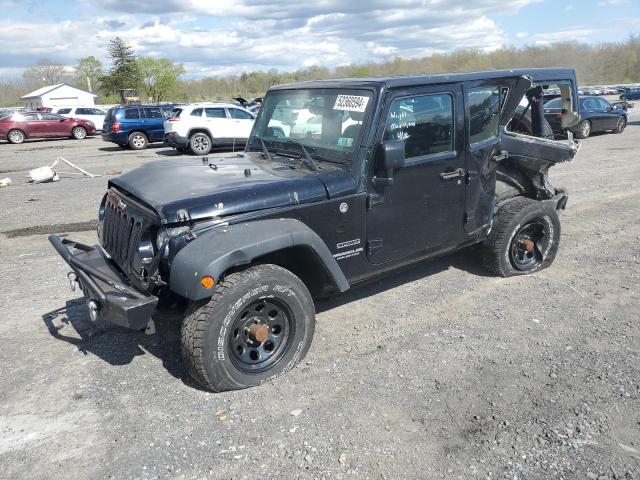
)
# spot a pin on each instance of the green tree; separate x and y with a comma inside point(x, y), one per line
point(88, 72)
point(123, 72)
point(159, 78)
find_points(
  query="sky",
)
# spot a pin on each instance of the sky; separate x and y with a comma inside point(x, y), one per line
point(222, 37)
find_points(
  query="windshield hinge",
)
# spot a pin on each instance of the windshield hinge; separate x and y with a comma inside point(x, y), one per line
point(373, 245)
point(374, 199)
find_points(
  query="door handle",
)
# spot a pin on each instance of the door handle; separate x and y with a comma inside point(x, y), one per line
point(459, 172)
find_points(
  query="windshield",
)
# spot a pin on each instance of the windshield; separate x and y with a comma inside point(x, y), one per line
point(326, 121)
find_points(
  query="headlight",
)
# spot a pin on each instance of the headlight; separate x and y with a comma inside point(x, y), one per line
point(167, 233)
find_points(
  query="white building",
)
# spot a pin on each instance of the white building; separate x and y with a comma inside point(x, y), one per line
point(60, 95)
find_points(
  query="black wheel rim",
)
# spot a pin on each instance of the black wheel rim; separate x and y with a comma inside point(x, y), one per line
point(528, 245)
point(260, 335)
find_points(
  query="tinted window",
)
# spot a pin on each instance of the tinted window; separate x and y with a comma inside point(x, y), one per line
point(64, 111)
point(590, 104)
point(49, 116)
point(197, 112)
point(215, 113)
point(175, 112)
point(424, 122)
point(23, 117)
point(240, 114)
point(153, 112)
point(555, 103)
point(131, 113)
point(484, 113)
point(603, 104)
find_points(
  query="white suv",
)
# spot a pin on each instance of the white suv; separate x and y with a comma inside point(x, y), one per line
point(200, 126)
point(92, 114)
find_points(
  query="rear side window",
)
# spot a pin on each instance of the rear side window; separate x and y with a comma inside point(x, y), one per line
point(131, 113)
point(555, 103)
point(424, 122)
point(153, 112)
point(240, 114)
point(215, 113)
point(197, 112)
point(64, 111)
point(484, 113)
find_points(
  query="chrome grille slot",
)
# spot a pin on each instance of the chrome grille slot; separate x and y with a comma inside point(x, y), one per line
point(123, 228)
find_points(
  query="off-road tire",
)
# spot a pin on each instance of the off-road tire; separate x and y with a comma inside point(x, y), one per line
point(200, 143)
point(138, 141)
point(510, 219)
point(16, 137)
point(582, 131)
point(521, 123)
point(621, 124)
point(209, 327)
point(79, 133)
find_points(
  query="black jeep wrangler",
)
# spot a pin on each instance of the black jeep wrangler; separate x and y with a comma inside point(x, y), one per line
point(361, 176)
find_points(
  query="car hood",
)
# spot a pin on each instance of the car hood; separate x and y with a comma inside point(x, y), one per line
point(199, 188)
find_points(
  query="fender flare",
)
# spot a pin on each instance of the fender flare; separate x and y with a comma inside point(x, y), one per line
point(225, 247)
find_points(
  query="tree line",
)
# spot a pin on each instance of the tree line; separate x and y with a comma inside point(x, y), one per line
point(160, 80)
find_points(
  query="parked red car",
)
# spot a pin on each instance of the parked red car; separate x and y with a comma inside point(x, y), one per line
point(19, 126)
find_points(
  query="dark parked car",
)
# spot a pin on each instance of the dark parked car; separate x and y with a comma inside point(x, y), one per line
point(249, 241)
point(630, 94)
point(19, 126)
point(135, 126)
point(596, 115)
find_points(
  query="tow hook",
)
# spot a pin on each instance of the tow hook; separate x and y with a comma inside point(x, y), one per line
point(93, 310)
point(73, 278)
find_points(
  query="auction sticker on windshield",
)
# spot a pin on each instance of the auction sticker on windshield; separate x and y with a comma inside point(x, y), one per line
point(351, 103)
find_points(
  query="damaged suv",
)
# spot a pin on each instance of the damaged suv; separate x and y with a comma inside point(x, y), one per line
point(395, 170)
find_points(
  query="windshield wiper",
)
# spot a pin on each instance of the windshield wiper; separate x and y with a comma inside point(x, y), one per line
point(306, 158)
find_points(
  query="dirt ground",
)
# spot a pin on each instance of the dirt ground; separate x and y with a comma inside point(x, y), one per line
point(438, 371)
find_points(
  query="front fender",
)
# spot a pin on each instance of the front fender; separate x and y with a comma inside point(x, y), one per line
point(222, 248)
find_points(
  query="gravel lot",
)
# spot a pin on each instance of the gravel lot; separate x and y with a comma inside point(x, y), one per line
point(438, 371)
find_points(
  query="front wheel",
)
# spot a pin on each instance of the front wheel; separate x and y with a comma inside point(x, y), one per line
point(524, 238)
point(621, 124)
point(200, 143)
point(79, 133)
point(258, 324)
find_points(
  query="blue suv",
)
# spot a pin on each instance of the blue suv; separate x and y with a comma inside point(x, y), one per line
point(135, 126)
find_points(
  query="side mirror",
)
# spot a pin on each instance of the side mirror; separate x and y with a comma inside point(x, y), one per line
point(390, 156)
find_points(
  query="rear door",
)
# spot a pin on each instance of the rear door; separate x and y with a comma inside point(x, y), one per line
point(594, 114)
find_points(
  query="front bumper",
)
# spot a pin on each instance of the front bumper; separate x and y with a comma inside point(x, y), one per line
point(101, 281)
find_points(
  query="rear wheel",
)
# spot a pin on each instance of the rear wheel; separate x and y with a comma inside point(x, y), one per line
point(621, 124)
point(16, 136)
point(524, 238)
point(138, 141)
point(200, 143)
point(584, 129)
point(79, 133)
point(258, 324)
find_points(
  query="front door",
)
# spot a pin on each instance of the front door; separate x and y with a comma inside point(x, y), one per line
point(154, 123)
point(423, 210)
point(218, 123)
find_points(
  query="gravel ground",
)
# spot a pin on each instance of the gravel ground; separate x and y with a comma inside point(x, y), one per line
point(438, 371)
